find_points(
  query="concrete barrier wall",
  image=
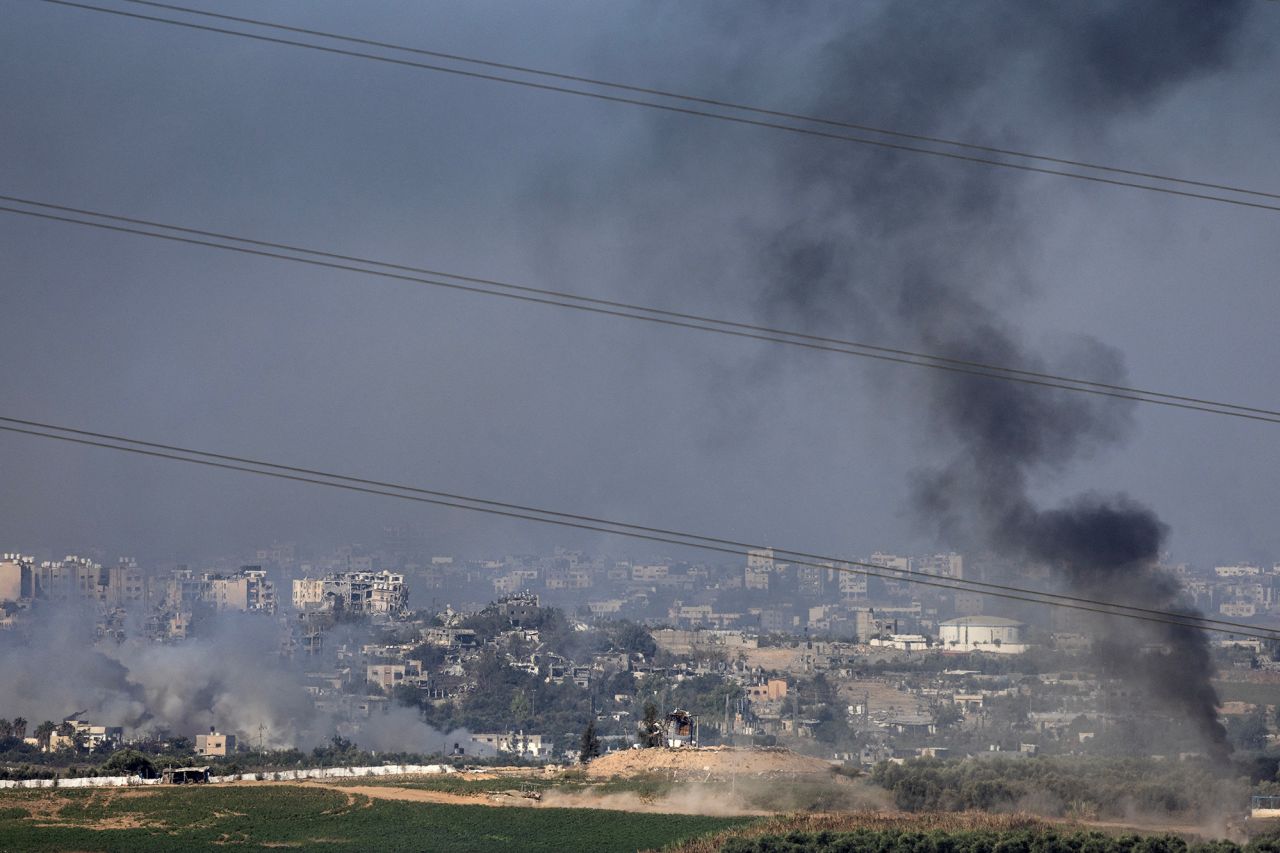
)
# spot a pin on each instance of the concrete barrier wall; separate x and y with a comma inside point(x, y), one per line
point(278, 776)
point(80, 782)
point(340, 773)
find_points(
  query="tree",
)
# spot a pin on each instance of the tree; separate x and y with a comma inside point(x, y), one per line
point(44, 732)
point(74, 738)
point(6, 729)
point(947, 716)
point(633, 639)
point(590, 745)
point(520, 707)
point(20, 727)
point(1248, 732)
point(650, 733)
point(129, 762)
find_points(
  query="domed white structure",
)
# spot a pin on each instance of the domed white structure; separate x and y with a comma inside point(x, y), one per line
point(982, 634)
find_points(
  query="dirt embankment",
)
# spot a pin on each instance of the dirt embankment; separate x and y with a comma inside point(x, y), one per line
point(706, 762)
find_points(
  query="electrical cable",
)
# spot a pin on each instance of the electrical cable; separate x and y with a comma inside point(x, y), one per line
point(563, 299)
point(445, 499)
point(714, 102)
point(690, 111)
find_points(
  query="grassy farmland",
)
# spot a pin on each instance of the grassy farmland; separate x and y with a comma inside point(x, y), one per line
point(271, 817)
point(1243, 691)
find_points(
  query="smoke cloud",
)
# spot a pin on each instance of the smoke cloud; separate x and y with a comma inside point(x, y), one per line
point(925, 254)
point(231, 678)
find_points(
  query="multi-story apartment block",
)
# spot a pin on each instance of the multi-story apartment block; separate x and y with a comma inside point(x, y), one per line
point(381, 593)
point(760, 564)
point(641, 573)
point(17, 578)
point(390, 675)
point(943, 565)
point(69, 579)
point(246, 591)
point(125, 584)
point(852, 582)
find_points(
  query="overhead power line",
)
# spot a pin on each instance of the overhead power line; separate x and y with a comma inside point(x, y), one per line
point(696, 99)
point(612, 308)
point(601, 525)
point(767, 117)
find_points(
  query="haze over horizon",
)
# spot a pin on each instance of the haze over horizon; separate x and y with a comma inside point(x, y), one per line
point(591, 414)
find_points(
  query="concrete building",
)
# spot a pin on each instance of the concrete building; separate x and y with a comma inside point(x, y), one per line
point(773, 690)
point(949, 565)
point(389, 675)
point(125, 584)
point(897, 565)
point(244, 592)
point(760, 565)
point(308, 593)
point(1238, 571)
point(902, 642)
point(69, 579)
point(680, 729)
point(381, 593)
point(89, 735)
point(982, 634)
point(215, 744)
point(520, 608)
point(518, 743)
point(17, 578)
point(852, 583)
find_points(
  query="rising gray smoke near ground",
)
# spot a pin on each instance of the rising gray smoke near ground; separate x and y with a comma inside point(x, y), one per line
point(231, 677)
point(919, 252)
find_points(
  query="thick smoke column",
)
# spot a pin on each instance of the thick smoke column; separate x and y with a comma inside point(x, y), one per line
point(908, 250)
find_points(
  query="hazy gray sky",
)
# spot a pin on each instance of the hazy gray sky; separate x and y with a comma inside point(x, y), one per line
point(590, 414)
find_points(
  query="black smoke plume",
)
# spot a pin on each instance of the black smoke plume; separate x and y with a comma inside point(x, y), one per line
point(904, 248)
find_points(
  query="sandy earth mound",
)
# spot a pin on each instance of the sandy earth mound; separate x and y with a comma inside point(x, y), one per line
point(717, 761)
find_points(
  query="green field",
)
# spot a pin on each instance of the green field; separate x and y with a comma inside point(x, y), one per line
point(1244, 691)
point(647, 786)
point(292, 817)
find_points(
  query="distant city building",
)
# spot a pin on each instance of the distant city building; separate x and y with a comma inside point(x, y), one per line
point(760, 565)
point(773, 690)
point(519, 608)
point(69, 579)
point(943, 565)
point(17, 578)
point(902, 642)
point(982, 634)
point(517, 743)
point(247, 591)
point(125, 584)
point(388, 676)
point(86, 734)
point(375, 593)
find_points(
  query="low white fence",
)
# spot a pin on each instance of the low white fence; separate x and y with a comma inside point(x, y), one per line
point(80, 782)
point(277, 776)
point(340, 773)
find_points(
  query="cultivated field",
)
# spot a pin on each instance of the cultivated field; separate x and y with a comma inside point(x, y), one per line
point(280, 815)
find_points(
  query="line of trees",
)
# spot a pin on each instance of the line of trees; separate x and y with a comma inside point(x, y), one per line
point(983, 841)
point(1080, 787)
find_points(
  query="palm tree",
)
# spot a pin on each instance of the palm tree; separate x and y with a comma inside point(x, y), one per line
point(19, 727)
point(6, 729)
point(44, 732)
